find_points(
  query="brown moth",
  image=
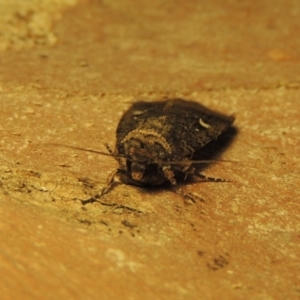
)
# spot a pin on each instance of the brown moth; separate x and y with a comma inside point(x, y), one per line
point(157, 140)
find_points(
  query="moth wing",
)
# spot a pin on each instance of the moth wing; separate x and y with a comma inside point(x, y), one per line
point(188, 125)
point(139, 111)
point(196, 125)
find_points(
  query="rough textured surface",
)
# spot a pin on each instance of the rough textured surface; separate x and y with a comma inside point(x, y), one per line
point(240, 242)
point(25, 24)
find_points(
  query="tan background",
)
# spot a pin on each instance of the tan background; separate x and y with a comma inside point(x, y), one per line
point(68, 70)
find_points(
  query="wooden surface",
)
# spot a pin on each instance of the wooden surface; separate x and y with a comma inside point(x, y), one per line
point(239, 241)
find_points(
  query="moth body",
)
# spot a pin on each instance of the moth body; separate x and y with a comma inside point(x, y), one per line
point(157, 140)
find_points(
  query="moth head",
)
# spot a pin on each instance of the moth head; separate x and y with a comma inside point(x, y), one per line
point(142, 158)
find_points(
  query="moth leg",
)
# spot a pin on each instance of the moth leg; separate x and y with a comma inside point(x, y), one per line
point(109, 183)
point(210, 179)
point(188, 171)
point(187, 196)
point(169, 174)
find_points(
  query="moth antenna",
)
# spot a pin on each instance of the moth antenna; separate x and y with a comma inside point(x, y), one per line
point(183, 162)
point(108, 149)
point(111, 154)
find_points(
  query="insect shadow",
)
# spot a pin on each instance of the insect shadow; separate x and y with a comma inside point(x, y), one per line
point(215, 148)
point(161, 143)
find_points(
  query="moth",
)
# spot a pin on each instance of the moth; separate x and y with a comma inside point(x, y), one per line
point(156, 141)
